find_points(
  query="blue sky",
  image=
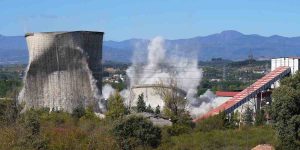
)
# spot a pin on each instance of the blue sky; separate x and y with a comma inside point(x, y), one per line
point(172, 19)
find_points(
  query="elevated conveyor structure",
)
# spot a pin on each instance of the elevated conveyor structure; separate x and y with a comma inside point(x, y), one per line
point(239, 99)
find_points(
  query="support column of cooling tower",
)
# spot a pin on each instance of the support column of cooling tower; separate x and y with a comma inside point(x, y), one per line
point(64, 71)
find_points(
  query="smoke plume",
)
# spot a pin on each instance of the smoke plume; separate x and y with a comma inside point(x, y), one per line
point(161, 66)
point(107, 90)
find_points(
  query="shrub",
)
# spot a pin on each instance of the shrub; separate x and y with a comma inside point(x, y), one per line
point(178, 129)
point(32, 122)
point(78, 112)
point(134, 131)
point(31, 138)
point(8, 111)
point(211, 123)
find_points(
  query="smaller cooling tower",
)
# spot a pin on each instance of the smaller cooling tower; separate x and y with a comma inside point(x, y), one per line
point(150, 94)
point(64, 70)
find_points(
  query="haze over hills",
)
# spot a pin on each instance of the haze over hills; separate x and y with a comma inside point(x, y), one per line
point(229, 44)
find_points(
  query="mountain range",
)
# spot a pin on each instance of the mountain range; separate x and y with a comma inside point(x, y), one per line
point(229, 44)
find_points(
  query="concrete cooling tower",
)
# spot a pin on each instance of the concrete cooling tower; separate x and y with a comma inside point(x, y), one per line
point(150, 94)
point(64, 71)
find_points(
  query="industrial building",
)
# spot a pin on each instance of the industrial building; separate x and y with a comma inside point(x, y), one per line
point(292, 62)
point(64, 71)
point(259, 92)
point(223, 96)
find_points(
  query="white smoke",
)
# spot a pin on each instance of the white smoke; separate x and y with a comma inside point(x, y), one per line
point(183, 68)
point(159, 67)
point(204, 103)
point(107, 90)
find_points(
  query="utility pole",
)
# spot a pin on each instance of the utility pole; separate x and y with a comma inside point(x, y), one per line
point(224, 73)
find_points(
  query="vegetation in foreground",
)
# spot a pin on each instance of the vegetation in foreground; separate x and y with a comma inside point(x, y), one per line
point(37, 129)
point(237, 139)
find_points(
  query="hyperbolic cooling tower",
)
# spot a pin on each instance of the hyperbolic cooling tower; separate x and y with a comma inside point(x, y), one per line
point(64, 70)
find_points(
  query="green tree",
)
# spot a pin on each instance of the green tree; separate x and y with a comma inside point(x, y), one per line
point(141, 105)
point(116, 107)
point(8, 87)
point(285, 112)
point(134, 131)
point(248, 116)
point(157, 110)
point(175, 103)
point(259, 117)
point(149, 109)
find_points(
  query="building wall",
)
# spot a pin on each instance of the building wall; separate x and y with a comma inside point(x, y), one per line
point(291, 62)
point(294, 63)
point(64, 70)
point(150, 96)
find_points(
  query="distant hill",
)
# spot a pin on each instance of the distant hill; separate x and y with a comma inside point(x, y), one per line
point(229, 44)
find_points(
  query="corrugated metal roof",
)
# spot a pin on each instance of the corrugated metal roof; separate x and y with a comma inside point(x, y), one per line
point(226, 93)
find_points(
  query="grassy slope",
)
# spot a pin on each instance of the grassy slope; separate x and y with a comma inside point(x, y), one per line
point(222, 139)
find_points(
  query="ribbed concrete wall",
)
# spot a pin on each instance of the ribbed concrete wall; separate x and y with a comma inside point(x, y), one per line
point(150, 94)
point(64, 70)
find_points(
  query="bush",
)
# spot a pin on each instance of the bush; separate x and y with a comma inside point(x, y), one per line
point(211, 123)
point(31, 124)
point(134, 131)
point(178, 129)
point(8, 111)
point(78, 112)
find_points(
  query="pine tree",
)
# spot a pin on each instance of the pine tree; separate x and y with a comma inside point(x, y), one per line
point(116, 107)
point(149, 109)
point(141, 105)
point(259, 118)
point(248, 116)
point(157, 110)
